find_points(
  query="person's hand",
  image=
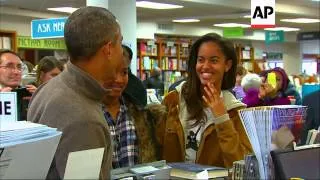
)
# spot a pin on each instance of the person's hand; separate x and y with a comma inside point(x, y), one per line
point(6, 89)
point(266, 90)
point(31, 88)
point(213, 100)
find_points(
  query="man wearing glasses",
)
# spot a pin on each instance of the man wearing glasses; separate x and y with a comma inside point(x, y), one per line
point(10, 70)
point(10, 79)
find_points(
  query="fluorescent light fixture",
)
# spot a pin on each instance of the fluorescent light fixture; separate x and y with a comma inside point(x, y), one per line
point(301, 20)
point(247, 16)
point(63, 9)
point(232, 25)
point(185, 20)
point(316, 0)
point(154, 5)
point(286, 29)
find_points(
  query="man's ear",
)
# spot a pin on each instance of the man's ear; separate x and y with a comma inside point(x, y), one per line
point(228, 65)
point(42, 74)
point(106, 49)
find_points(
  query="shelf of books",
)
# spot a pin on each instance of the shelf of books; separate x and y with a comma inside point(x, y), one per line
point(8, 40)
point(170, 55)
point(248, 59)
point(245, 55)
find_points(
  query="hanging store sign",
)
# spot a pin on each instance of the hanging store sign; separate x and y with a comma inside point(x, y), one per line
point(28, 43)
point(48, 28)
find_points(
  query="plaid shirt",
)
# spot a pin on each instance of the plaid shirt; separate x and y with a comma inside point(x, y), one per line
point(125, 145)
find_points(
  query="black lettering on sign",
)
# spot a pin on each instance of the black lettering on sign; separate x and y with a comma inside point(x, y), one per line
point(5, 108)
point(267, 10)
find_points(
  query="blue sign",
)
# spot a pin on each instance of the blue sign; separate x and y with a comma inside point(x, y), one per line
point(48, 28)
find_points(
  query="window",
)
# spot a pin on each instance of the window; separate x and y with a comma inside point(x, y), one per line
point(309, 66)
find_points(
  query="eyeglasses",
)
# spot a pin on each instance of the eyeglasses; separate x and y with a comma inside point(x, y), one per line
point(12, 67)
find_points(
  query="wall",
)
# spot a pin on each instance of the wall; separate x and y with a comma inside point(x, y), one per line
point(16, 23)
point(291, 54)
point(290, 49)
point(310, 47)
point(146, 30)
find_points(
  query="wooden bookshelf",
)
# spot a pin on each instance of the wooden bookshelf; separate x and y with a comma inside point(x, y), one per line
point(8, 40)
point(167, 54)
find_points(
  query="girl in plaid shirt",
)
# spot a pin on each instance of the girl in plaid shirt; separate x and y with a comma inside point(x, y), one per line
point(131, 125)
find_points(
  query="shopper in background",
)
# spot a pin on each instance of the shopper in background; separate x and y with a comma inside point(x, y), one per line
point(238, 89)
point(29, 65)
point(251, 84)
point(10, 80)
point(292, 91)
point(47, 68)
point(312, 101)
point(203, 125)
point(132, 127)
point(71, 102)
point(10, 70)
point(135, 89)
point(268, 95)
point(154, 81)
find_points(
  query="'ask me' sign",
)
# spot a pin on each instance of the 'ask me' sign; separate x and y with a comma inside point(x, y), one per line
point(48, 28)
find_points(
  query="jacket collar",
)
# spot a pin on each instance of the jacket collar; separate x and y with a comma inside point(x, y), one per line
point(230, 101)
point(82, 82)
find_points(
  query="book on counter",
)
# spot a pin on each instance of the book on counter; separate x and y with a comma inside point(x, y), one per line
point(270, 128)
point(187, 170)
point(26, 149)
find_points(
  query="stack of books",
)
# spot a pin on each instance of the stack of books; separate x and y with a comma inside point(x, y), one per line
point(269, 128)
point(196, 171)
point(26, 149)
point(313, 137)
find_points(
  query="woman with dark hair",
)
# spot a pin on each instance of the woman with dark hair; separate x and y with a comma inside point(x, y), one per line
point(47, 68)
point(202, 124)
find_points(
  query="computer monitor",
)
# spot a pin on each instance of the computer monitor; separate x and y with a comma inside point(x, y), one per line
point(303, 163)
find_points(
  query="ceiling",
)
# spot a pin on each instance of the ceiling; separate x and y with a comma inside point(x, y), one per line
point(208, 11)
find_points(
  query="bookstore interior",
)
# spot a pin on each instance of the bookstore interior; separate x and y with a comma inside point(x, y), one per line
point(266, 125)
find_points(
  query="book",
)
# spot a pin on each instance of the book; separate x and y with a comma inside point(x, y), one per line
point(6, 43)
point(269, 128)
point(26, 150)
point(313, 137)
point(1, 45)
point(251, 167)
point(196, 171)
point(152, 170)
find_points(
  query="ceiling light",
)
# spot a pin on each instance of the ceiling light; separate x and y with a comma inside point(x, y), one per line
point(232, 25)
point(154, 5)
point(63, 9)
point(185, 20)
point(286, 29)
point(301, 20)
point(247, 16)
point(315, 0)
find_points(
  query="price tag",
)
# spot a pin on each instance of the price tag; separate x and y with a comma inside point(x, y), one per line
point(170, 43)
point(150, 43)
point(185, 45)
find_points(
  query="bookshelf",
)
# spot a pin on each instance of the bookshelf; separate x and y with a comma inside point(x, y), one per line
point(170, 56)
point(147, 57)
point(8, 40)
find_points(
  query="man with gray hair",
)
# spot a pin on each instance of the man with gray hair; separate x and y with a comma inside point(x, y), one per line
point(71, 102)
